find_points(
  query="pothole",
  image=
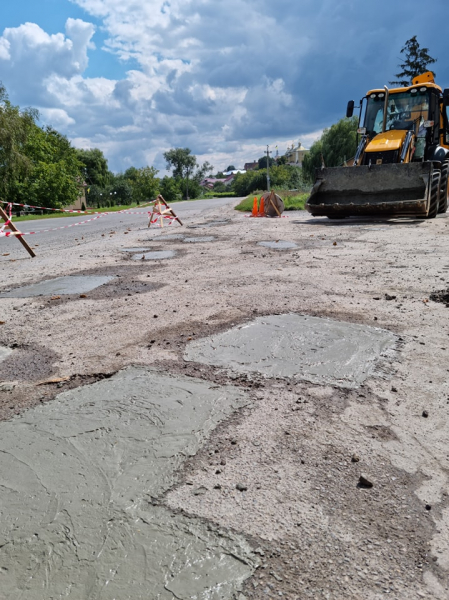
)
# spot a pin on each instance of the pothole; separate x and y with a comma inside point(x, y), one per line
point(441, 296)
point(314, 349)
point(77, 284)
point(79, 477)
point(204, 238)
point(155, 255)
point(278, 245)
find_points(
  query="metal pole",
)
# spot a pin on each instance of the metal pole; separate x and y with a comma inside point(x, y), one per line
point(268, 169)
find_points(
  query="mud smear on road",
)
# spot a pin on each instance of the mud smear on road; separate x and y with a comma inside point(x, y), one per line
point(79, 478)
point(27, 363)
point(441, 296)
point(77, 284)
point(314, 349)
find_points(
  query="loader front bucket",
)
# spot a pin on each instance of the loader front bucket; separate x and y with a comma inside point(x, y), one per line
point(389, 189)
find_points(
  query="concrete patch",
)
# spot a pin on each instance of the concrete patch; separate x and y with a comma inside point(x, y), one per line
point(171, 236)
point(205, 238)
point(314, 349)
point(134, 249)
point(78, 284)
point(279, 245)
point(77, 480)
point(216, 223)
point(4, 352)
point(155, 255)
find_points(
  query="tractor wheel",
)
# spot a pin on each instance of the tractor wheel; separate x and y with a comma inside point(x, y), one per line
point(434, 194)
point(442, 208)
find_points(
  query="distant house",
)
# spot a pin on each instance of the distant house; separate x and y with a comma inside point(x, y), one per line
point(209, 182)
point(77, 205)
point(295, 156)
point(252, 166)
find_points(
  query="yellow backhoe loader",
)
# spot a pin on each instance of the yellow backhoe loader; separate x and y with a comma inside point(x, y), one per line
point(401, 165)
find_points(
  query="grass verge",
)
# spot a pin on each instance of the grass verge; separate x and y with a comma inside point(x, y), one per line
point(291, 201)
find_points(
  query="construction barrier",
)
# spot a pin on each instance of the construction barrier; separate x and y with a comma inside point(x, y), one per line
point(14, 232)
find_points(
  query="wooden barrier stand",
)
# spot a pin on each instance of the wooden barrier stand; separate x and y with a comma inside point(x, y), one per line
point(162, 209)
point(16, 232)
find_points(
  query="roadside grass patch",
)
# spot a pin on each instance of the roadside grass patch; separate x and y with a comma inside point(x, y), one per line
point(292, 200)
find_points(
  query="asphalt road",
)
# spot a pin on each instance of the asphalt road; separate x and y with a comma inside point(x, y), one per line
point(65, 232)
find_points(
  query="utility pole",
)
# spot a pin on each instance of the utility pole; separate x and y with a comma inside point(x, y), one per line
point(268, 168)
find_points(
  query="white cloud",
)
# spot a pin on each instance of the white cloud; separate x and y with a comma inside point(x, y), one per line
point(223, 78)
point(56, 118)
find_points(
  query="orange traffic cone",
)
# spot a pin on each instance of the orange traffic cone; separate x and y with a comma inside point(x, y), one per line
point(262, 208)
point(255, 212)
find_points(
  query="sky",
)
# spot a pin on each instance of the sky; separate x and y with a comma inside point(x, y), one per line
point(224, 78)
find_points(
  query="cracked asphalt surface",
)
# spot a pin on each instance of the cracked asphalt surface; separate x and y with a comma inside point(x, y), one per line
point(284, 471)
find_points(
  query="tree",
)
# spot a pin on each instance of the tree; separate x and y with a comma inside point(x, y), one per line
point(170, 189)
point(185, 168)
point(123, 191)
point(220, 187)
point(230, 168)
point(146, 184)
point(95, 165)
point(337, 144)
point(15, 128)
point(55, 175)
point(416, 62)
point(263, 162)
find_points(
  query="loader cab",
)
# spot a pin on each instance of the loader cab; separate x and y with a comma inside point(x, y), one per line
point(405, 110)
point(414, 109)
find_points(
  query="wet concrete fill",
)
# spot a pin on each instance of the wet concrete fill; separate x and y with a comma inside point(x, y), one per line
point(77, 478)
point(279, 245)
point(314, 349)
point(78, 284)
point(4, 353)
point(204, 238)
point(134, 249)
point(163, 238)
point(155, 255)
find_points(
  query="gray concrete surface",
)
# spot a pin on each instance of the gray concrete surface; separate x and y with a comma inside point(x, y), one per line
point(61, 285)
point(199, 239)
point(310, 348)
point(4, 352)
point(155, 255)
point(279, 245)
point(77, 478)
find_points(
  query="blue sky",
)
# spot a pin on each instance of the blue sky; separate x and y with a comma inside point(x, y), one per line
point(222, 77)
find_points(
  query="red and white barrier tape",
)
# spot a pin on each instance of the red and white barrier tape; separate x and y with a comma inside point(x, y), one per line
point(20, 233)
point(64, 210)
point(6, 223)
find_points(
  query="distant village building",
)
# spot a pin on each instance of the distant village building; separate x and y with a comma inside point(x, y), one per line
point(252, 166)
point(295, 156)
point(77, 205)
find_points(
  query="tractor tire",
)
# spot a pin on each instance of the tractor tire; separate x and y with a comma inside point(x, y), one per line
point(434, 194)
point(444, 191)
